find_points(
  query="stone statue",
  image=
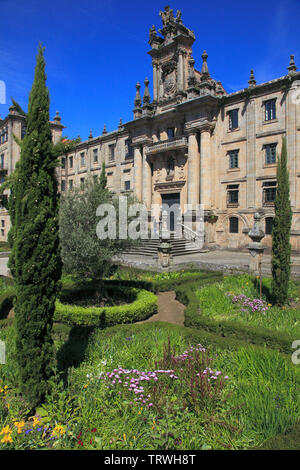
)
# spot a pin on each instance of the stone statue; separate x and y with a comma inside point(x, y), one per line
point(167, 16)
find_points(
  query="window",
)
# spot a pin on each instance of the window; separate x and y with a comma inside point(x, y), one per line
point(233, 194)
point(128, 148)
point(233, 225)
point(3, 135)
point(95, 155)
point(71, 162)
point(233, 119)
point(111, 152)
point(233, 159)
point(63, 163)
point(171, 132)
point(270, 110)
point(82, 159)
point(2, 179)
point(23, 131)
point(2, 232)
point(81, 181)
point(63, 185)
point(127, 185)
point(71, 184)
point(270, 150)
point(2, 161)
point(269, 225)
point(269, 192)
point(2, 223)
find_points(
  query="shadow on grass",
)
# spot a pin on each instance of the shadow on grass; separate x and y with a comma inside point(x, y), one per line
point(266, 291)
point(72, 352)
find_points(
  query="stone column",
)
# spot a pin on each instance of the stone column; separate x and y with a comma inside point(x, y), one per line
point(193, 169)
point(291, 132)
point(155, 81)
point(147, 183)
point(205, 167)
point(251, 156)
point(180, 71)
point(138, 172)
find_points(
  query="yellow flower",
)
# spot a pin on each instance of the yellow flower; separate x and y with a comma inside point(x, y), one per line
point(36, 421)
point(124, 437)
point(6, 430)
point(59, 429)
point(85, 386)
point(19, 426)
point(269, 305)
point(6, 438)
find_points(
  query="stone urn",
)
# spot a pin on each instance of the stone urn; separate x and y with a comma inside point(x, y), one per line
point(255, 247)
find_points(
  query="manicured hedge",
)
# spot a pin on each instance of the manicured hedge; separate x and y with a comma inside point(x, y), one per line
point(251, 334)
point(142, 307)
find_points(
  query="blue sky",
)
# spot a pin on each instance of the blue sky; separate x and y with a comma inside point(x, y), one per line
point(96, 50)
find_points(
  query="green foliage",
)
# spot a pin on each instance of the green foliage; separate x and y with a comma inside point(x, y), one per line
point(208, 308)
point(85, 255)
point(281, 247)
point(103, 178)
point(143, 306)
point(35, 260)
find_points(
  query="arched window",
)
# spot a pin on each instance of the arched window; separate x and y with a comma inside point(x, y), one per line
point(269, 225)
point(233, 225)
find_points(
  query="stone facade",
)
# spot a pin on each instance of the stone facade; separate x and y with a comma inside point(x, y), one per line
point(196, 142)
point(14, 125)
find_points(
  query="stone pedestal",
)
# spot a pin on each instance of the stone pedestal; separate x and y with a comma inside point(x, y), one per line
point(256, 249)
point(164, 254)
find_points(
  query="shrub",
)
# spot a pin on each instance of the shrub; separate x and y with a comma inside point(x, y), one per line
point(144, 305)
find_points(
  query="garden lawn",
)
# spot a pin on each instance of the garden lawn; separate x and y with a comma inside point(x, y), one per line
point(216, 302)
point(94, 410)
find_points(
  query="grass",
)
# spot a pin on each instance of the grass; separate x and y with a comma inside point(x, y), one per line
point(260, 399)
point(216, 304)
point(258, 406)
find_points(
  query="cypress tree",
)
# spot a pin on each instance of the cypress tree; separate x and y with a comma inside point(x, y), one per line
point(103, 178)
point(281, 247)
point(36, 257)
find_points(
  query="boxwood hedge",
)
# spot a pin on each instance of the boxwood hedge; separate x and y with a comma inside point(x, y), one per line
point(143, 305)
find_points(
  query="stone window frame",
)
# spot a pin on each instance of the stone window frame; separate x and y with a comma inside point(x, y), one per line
point(268, 231)
point(272, 117)
point(269, 192)
point(95, 154)
point(111, 152)
point(266, 156)
point(230, 154)
point(128, 148)
point(230, 120)
point(232, 188)
point(173, 133)
point(233, 228)
point(82, 159)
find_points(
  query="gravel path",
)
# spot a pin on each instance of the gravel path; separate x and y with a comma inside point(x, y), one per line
point(169, 309)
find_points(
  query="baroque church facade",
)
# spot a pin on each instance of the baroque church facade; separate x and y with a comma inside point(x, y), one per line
point(192, 143)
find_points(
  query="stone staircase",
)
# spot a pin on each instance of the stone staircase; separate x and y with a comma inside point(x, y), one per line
point(179, 247)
